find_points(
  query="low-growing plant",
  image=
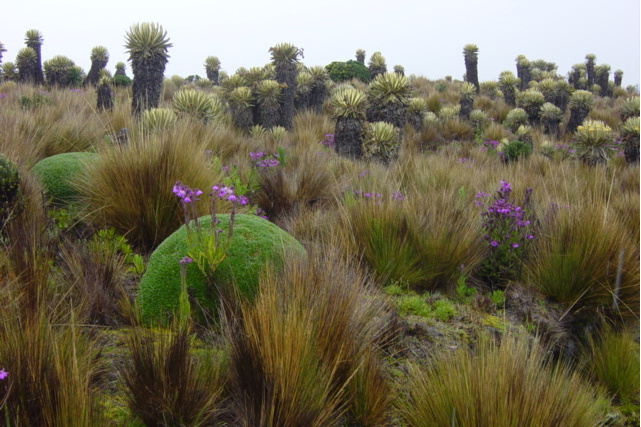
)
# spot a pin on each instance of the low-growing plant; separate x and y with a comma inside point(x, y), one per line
point(464, 292)
point(514, 150)
point(444, 310)
point(413, 304)
point(498, 298)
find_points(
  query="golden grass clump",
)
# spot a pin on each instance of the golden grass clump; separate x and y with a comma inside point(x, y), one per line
point(403, 239)
point(130, 188)
point(295, 351)
point(513, 383)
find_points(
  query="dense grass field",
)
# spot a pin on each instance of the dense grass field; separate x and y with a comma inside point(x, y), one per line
point(460, 263)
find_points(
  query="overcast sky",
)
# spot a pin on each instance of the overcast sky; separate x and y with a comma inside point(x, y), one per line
point(425, 37)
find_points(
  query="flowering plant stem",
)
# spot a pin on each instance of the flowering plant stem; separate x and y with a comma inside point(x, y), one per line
point(207, 248)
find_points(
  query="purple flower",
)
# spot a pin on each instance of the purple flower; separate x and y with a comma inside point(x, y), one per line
point(185, 260)
point(3, 374)
point(3, 95)
point(362, 174)
point(494, 243)
point(515, 245)
point(267, 163)
point(396, 195)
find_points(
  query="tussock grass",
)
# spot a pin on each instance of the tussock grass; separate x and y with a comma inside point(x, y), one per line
point(510, 384)
point(167, 384)
point(130, 187)
point(298, 183)
point(94, 272)
point(50, 367)
point(580, 269)
point(295, 351)
point(612, 359)
point(309, 129)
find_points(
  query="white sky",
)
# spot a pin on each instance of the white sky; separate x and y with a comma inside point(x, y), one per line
point(426, 37)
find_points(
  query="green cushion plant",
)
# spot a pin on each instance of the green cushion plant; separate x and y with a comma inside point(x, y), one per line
point(57, 174)
point(255, 243)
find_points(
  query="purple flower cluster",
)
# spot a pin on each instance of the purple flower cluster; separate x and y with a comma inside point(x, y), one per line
point(329, 141)
point(3, 95)
point(490, 145)
point(206, 249)
point(507, 230)
point(397, 196)
point(3, 374)
point(260, 160)
point(227, 193)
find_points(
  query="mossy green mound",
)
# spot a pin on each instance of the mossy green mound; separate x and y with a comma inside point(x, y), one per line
point(255, 242)
point(56, 173)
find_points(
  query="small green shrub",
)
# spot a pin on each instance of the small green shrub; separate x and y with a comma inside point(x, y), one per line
point(57, 174)
point(444, 309)
point(413, 304)
point(515, 150)
point(35, 101)
point(498, 298)
point(341, 71)
point(255, 243)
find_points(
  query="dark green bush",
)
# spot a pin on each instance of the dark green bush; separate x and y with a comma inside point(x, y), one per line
point(341, 71)
point(29, 102)
point(121, 80)
point(515, 150)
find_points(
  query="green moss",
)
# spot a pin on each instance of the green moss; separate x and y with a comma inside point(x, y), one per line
point(413, 304)
point(444, 309)
point(56, 173)
point(255, 243)
point(494, 322)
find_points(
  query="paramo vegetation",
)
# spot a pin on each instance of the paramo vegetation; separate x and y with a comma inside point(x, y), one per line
point(292, 245)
